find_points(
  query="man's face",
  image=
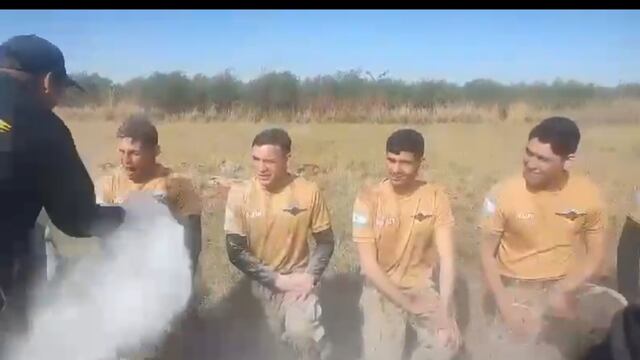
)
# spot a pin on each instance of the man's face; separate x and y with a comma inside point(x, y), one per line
point(136, 159)
point(541, 166)
point(402, 168)
point(269, 164)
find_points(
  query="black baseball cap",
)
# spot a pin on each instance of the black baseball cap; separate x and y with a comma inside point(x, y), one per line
point(34, 55)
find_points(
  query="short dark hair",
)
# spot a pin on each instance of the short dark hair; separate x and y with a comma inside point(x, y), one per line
point(407, 140)
point(274, 136)
point(138, 127)
point(560, 132)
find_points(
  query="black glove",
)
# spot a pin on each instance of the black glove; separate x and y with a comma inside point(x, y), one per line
point(107, 220)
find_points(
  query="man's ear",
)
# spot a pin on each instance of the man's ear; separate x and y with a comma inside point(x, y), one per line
point(569, 161)
point(158, 150)
point(424, 166)
point(48, 83)
point(423, 163)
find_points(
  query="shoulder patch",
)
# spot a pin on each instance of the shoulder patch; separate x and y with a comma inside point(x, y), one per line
point(489, 206)
point(5, 127)
point(500, 190)
point(359, 219)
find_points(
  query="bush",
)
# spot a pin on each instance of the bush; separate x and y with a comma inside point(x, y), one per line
point(282, 91)
point(99, 91)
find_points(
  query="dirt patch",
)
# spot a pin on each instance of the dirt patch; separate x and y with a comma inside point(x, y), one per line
point(236, 328)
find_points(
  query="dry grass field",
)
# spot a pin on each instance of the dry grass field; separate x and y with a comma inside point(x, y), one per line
point(465, 156)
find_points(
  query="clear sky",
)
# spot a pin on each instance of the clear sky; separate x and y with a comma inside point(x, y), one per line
point(508, 46)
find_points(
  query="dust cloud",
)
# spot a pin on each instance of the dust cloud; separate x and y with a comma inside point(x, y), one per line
point(123, 300)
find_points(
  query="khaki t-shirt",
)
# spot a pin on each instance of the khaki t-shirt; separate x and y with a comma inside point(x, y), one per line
point(541, 232)
point(178, 191)
point(277, 225)
point(402, 228)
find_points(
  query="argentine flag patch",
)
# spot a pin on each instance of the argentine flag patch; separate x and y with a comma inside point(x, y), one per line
point(489, 206)
point(359, 219)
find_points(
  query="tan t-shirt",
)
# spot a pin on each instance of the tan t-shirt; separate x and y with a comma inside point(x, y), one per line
point(402, 228)
point(277, 225)
point(541, 232)
point(178, 191)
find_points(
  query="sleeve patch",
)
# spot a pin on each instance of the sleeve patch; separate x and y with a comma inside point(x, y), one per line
point(360, 219)
point(489, 206)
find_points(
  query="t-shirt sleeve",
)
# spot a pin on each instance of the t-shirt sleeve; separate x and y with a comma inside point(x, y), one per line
point(104, 190)
point(320, 218)
point(363, 217)
point(183, 197)
point(596, 217)
point(443, 212)
point(492, 217)
point(234, 217)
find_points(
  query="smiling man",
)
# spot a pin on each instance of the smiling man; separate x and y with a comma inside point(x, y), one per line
point(267, 222)
point(399, 226)
point(533, 226)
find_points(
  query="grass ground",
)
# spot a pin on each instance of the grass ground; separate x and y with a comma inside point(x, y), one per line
point(465, 157)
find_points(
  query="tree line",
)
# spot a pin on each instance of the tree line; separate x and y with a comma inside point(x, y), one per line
point(176, 92)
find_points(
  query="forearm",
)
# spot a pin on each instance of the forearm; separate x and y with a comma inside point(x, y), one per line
point(240, 257)
point(321, 255)
point(581, 274)
point(193, 239)
point(490, 268)
point(576, 278)
point(447, 282)
point(446, 251)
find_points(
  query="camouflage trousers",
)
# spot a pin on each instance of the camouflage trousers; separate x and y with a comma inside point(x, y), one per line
point(384, 327)
point(296, 322)
point(557, 338)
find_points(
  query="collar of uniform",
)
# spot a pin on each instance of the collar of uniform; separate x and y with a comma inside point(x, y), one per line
point(159, 171)
point(553, 192)
point(388, 188)
point(290, 182)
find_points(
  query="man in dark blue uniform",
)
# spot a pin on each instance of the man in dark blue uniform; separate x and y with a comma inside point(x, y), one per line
point(39, 167)
point(628, 264)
